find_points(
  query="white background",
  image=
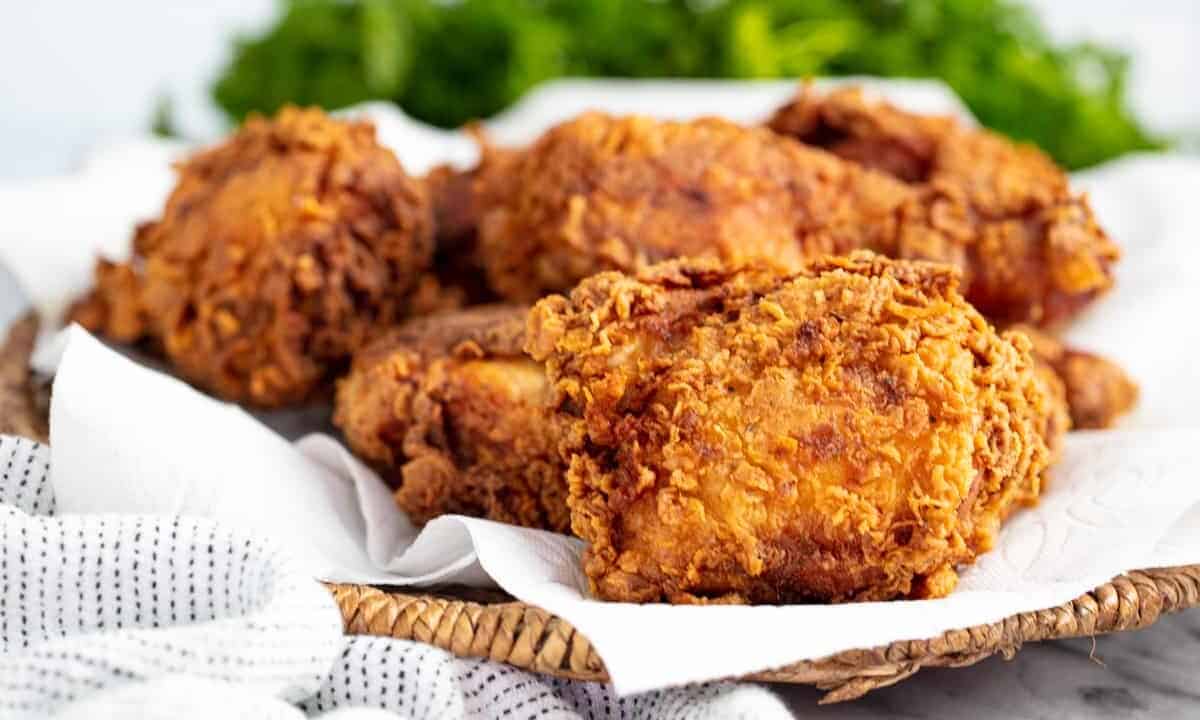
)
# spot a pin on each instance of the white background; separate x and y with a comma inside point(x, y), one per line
point(77, 73)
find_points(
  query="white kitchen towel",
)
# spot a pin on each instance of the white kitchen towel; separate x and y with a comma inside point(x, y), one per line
point(169, 617)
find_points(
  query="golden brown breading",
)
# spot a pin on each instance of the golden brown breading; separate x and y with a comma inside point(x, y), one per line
point(279, 253)
point(1098, 391)
point(433, 294)
point(854, 431)
point(600, 193)
point(449, 191)
point(452, 412)
point(456, 213)
point(1056, 412)
point(456, 263)
point(1030, 249)
point(24, 411)
point(604, 193)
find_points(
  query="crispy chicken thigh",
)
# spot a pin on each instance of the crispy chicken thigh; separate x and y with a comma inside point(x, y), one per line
point(1030, 249)
point(850, 431)
point(619, 193)
point(456, 416)
point(279, 253)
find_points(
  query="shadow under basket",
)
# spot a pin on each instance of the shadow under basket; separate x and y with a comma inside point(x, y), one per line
point(491, 625)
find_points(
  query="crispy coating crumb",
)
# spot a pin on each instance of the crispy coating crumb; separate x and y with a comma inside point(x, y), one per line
point(1098, 391)
point(1030, 249)
point(852, 431)
point(452, 411)
point(279, 253)
point(607, 193)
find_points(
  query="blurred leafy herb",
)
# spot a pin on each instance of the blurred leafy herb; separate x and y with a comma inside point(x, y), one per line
point(447, 62)
point(161, 123)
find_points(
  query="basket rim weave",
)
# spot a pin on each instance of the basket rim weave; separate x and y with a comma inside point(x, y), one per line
point(527, 637)
point(491, 625)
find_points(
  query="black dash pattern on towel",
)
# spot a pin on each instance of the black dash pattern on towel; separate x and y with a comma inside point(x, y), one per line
point(175, 617)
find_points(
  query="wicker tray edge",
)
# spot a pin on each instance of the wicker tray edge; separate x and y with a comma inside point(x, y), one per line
point(530, 638)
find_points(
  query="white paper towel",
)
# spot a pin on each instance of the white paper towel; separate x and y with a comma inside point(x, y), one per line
point(1120, 500)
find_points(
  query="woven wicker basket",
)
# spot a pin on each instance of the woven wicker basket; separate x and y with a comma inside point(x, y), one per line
point(499, 628)
point(472, 623)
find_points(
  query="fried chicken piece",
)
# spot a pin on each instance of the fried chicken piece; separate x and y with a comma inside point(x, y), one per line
point(24, 411)
point(607, 193)
point(456, 213)
point(1055, 413)
point(278, 254)
point(434, 294)
point(1034, 253)
point(852, 431)
point(452, 411)
point(456, 263)
point(449, 191)
point(1031, 250)
point(601, 193)
point(1098, 391)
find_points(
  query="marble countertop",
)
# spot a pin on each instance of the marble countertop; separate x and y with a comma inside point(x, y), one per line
point(1150, 673)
